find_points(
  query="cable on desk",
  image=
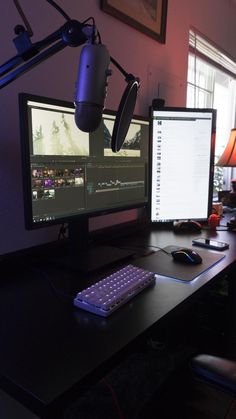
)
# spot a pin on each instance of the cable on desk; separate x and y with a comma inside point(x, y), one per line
point(143, 246)
point(56, 291)
point(62, 232)
point(159, 248)
point(114, 398)
point(229, 410)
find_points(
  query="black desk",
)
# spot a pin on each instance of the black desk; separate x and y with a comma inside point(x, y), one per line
point(50, 351)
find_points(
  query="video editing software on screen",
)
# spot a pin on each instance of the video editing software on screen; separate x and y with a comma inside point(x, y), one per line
point(73, 172)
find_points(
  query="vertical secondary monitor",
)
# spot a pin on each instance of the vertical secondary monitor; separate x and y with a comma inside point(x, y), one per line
point(182, 163)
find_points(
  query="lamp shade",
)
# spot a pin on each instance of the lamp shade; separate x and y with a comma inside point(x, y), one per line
point(228, 158)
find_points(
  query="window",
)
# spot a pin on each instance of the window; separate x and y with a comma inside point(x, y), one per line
point(212, 83)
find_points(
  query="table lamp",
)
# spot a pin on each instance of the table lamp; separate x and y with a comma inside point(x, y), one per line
point(228, 159)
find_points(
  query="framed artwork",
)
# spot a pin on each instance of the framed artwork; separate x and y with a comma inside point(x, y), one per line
point(147, 16)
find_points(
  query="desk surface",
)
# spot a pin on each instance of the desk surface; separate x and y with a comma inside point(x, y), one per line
point(49, 349)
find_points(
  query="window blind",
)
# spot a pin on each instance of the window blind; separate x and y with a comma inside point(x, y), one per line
point(200, 47)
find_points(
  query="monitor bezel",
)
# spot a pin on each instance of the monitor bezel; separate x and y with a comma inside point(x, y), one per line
point(152, 109)
point(26, 168)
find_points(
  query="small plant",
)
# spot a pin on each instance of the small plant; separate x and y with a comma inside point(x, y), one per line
point(218, 181)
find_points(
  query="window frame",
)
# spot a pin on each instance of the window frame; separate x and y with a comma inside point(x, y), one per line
point(201, 49)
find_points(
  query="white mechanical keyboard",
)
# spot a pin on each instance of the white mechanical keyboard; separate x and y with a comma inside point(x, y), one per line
point(113, 291)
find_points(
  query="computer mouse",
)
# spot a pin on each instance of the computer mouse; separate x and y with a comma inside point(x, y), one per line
point(188, 256)
point(187, 226)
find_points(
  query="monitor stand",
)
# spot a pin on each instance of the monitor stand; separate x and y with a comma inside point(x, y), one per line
point(84, 255)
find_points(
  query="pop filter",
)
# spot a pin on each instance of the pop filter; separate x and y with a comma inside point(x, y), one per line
point(124, 114)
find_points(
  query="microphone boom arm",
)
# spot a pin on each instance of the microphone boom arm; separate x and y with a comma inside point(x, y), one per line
point(72, 33)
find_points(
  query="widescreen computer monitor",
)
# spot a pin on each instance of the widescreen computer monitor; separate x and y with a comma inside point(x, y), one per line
point(182, 164)
point(70, 175)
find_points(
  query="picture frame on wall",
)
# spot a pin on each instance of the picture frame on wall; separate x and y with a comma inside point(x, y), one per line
point(147, 16)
